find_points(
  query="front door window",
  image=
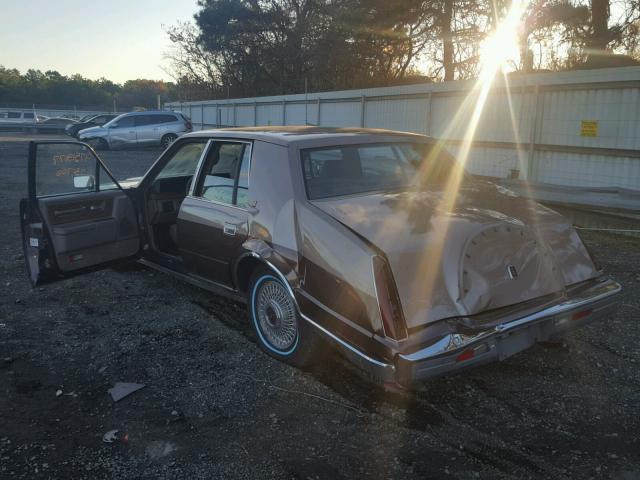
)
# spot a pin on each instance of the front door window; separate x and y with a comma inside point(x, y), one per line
point(184, 160)
point(68, 168)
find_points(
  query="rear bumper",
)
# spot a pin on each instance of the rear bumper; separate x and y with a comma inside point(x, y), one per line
point(455, 351)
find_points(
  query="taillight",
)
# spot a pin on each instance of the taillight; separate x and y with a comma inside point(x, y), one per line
point(581, 315)
point(388, 300)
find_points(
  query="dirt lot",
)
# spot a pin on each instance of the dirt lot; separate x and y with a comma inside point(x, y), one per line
point(214, 406)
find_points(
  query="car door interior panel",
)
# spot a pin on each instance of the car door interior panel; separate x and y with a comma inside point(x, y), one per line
point(162, 206)
point(90, 231)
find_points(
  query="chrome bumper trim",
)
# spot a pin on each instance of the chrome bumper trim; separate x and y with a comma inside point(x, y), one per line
point(382, 371)
point(586, 298)
point(506, 339)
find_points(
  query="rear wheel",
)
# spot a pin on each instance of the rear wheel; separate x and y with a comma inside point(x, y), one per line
point(168, 139)
point(275, 320)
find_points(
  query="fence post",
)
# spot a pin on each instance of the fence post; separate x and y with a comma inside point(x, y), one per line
point(362, 111)
point(202, 116)
point(284, 112)
point(255, 114)
point(319, 110)
point(530, 173)
point(427, 120)
point(235, 123)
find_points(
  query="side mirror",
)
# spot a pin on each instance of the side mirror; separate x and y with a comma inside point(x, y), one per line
point(113, 125)
point(86, 182)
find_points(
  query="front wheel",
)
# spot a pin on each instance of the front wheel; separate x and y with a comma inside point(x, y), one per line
point(275, 320)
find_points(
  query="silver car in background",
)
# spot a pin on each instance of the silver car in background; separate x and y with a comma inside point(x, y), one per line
point(138, 129)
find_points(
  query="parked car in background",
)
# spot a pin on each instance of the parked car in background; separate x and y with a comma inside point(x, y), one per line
point(18, 117)
point(347, 234)
point(55, 124)
point(92, 121)
point(138, 129)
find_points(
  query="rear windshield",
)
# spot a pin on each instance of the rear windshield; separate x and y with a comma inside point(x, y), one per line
point(354, 169)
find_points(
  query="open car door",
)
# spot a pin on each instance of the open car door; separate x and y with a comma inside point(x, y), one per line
point(76, 218)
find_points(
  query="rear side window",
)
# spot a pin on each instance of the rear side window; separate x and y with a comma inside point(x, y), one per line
point(142, 120)
point(28, 115)
point(226, 174)
point(165, 118)
point(154, 119)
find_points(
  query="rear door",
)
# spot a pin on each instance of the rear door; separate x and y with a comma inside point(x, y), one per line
point(76, 217)
point(213, 218)
point(123, 132)
point(147, 129)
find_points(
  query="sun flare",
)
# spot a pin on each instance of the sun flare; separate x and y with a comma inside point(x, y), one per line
point(500, 51)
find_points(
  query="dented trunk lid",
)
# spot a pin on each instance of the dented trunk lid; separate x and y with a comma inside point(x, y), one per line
point(491, 249)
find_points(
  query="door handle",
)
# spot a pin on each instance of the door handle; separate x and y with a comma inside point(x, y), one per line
point(229, 229)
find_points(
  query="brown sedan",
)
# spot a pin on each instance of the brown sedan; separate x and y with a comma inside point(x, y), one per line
point(377, 241)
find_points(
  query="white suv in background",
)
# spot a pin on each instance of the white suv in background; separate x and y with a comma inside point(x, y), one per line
point(138, 129)
point(18, 117)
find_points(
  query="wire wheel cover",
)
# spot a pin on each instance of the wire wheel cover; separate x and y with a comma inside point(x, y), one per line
point(276, 315)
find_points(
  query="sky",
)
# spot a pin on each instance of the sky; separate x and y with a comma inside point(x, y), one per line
point(116, 39)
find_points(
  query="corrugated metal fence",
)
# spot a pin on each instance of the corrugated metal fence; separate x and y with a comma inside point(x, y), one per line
point(572, 129)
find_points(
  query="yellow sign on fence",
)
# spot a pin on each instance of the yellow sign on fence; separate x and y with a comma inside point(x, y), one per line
point(589, 128)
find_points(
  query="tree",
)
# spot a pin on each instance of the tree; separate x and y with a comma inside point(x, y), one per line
point(53, 89)
point(572, 34)
point(142, 93)
point(267, 47)
point(261, 47)
point(193, 68)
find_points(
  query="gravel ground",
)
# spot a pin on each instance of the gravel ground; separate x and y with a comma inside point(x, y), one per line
point(214, 406)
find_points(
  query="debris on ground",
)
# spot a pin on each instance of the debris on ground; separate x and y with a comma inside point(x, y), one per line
point(111, 436)
point(123, 389)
